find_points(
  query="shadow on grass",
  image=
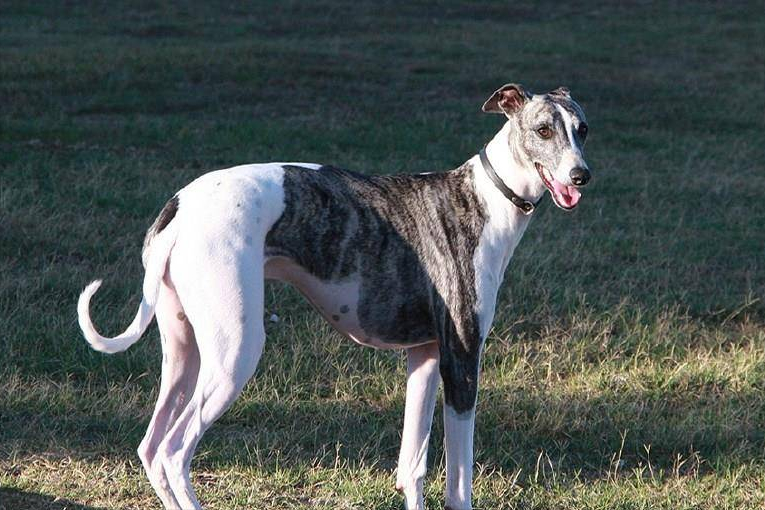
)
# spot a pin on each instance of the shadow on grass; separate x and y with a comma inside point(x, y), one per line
point(579, 433)
point(13, 499)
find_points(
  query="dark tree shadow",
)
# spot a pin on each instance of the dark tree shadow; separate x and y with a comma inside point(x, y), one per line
point(13, 499)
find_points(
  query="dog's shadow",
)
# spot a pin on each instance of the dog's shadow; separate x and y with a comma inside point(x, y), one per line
point(14, 499)
point(514, 428)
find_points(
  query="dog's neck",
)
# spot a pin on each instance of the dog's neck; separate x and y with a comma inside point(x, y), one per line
point(523, 181)
point(519, 176)
point(506, 222)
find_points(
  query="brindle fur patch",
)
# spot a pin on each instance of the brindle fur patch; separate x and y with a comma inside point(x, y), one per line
point(410, 239)
point(164, 218)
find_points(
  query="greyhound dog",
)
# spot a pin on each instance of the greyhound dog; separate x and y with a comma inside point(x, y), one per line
point(393, 262)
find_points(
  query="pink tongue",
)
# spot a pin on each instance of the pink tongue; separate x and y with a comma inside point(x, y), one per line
point(567, 196)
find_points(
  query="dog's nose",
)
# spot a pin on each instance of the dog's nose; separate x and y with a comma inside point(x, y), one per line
point(579, 176)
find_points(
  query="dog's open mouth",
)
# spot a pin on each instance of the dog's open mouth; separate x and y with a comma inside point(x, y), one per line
point(565, 197)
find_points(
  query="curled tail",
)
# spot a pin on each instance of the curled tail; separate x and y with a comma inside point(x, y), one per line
point(156, 263)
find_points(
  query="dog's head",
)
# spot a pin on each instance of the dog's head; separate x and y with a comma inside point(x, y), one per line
point(546, 137)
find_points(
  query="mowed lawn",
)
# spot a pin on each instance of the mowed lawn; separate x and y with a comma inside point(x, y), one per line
point(626, 367)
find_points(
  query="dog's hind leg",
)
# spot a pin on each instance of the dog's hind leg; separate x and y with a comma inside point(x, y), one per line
point(421, 388)
point(225, 307)
point(180, 368)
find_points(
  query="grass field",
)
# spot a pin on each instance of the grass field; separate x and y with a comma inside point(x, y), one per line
point(626, 367)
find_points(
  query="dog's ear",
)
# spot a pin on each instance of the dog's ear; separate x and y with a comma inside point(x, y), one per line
point(561, 91)
point(507, 99)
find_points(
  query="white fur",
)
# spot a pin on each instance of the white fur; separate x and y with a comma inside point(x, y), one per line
point(568, 122)
point(458, 439)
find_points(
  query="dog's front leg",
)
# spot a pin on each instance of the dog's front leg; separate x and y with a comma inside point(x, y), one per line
point(421, 388)
point(459, 371)
point(458, 435)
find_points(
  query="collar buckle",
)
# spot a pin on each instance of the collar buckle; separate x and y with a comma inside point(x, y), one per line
point(524, 205)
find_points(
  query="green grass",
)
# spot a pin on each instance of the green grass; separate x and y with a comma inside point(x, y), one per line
point(626, 367)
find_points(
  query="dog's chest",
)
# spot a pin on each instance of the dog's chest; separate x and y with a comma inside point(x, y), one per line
point(382, 260)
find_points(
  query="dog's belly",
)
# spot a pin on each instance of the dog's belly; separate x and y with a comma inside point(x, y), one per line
point(337, 302)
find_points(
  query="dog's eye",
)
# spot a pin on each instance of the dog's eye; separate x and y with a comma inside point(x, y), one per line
point(582, 130)
point(545, 132)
